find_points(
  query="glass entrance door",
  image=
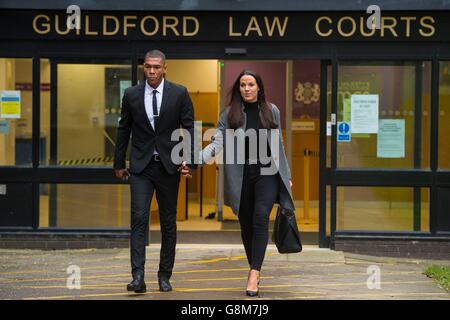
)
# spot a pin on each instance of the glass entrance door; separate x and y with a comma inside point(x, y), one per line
point(79, 115)
point(294, 87)
point(380, 120)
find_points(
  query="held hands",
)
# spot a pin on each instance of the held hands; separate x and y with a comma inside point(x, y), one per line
point(185, 170)
point(122, 174)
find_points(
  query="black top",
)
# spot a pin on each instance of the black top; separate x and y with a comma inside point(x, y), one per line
point(253, 122)
point(252, 111)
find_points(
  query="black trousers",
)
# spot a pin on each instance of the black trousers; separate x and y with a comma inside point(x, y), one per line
point(259, 193)
point(153, 178)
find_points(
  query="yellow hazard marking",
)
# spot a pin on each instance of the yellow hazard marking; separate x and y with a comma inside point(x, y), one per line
point(85, 161)
point(8, 280)
point(96, 286)
point(234, 289)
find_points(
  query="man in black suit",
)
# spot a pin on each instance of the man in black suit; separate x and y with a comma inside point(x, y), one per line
point(151, 111)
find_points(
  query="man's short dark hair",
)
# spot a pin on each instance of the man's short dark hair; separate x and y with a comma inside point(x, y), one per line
point(155, 54)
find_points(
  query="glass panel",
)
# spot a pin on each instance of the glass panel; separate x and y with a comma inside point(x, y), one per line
point(201, 78)
point(328, 208)
point(15, 204)
point(16, 105)
point(88, 108)
point(444, 115)
point(328, 102)
point(443, 214)
point(80, 205)
point(306, 142)
point(382, 209)
point(382, 134)
point(426, 118)
point(45, 111)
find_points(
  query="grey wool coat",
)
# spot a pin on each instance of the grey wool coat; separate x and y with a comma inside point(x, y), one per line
point(234, 172)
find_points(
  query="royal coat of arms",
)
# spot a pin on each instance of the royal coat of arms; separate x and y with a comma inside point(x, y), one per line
point(307, 93)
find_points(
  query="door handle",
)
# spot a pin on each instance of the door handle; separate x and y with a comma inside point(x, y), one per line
point(333, 119)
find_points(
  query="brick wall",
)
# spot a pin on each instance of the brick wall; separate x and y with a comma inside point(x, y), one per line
point(49, 241)
point(418, 249)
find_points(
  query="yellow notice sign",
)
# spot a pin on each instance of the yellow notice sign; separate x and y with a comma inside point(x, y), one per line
point(10, 104)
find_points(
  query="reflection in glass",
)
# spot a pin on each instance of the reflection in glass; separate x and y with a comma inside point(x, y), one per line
point(328, 211)
point(88, 106)
point(444, 115)
point(16, 105)
point(201, 78)
point(84, 206)
point(394, 144)
point(382, 209)
point(305, 146)
point(45, 110)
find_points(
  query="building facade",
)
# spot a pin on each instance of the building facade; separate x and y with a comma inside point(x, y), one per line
point(366, 114)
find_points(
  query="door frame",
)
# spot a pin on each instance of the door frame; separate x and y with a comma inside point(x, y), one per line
point(415, 177)
point(328, 51)
point(324, 178)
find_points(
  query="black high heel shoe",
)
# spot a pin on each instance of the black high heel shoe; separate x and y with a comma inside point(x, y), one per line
point(251, 293)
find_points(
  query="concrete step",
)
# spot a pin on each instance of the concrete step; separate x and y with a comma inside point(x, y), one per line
point(222, 237)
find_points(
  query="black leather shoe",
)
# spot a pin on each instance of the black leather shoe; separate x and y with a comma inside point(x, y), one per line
point(164, 284)
point(137, 285)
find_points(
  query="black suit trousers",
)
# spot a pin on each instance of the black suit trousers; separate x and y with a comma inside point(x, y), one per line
point(153, 178)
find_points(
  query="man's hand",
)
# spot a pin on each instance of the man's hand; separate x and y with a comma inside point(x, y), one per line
point(122, 174)
point(185, 170)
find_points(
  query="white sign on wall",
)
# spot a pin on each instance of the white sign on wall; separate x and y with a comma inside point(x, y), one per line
point(364, 113)
point(391, 138)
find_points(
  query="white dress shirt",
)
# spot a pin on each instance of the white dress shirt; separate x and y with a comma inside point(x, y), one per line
point(148, 101)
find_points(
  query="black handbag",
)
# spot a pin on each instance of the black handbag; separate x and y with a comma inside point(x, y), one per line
point(285, 232)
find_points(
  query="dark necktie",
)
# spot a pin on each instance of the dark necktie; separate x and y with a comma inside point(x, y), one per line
point(155, 109)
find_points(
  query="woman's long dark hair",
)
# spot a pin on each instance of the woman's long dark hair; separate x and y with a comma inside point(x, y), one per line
point(235, 116)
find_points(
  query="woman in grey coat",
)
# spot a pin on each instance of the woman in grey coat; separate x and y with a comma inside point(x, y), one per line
point(256, 171)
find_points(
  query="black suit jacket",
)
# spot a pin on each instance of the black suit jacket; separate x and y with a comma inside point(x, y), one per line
point(176, 111)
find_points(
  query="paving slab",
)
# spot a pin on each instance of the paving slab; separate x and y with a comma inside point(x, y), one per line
point(215, 272)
